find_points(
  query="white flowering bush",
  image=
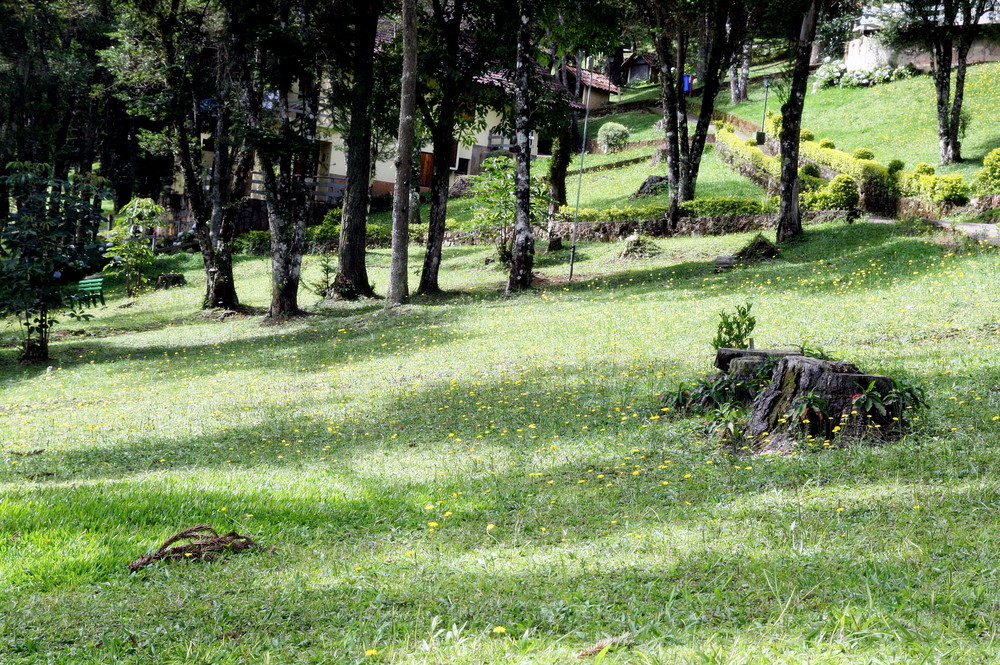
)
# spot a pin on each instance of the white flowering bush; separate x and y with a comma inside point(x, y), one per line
point(835, 74)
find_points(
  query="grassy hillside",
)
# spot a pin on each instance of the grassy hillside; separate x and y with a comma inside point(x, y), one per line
point(474, 479)
point(896, 120)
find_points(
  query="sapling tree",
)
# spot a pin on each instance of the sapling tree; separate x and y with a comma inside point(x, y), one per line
point(130, 252)
point(48, 242)
point(495, 204)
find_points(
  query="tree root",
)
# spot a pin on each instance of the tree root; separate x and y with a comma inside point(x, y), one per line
point(205, 544)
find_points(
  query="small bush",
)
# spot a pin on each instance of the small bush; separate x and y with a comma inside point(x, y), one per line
point(772, 124)
point(613, 137)
point(987, 180)
point(734, 330)
point(929, 187)
point(864, 153)
point(827, 143)
point(809, 170)
point(806, 135)
point(843, 191)
point(326, 235)
point(256, 243)
point(895, 166)
point(752, 142)
point(923, 169)
point(723, 206)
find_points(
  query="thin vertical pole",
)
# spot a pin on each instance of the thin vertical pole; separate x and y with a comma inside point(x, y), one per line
point(579, 180)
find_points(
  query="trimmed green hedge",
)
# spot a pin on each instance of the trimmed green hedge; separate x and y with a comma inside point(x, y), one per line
point(616, 214)
point(720, 206)
point(936, 188)
point(750, 154)
point(988, 178)
point(867, 172)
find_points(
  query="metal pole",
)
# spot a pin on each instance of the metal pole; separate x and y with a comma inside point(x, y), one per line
point(579, 180)
point(767, 89)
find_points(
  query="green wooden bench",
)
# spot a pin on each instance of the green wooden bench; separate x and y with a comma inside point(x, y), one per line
point(90, 290)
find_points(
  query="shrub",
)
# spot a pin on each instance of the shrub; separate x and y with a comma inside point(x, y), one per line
point(894, 166)
point(987, 180)
point(843, 192)
point(616, 214)
point(937, 188)
point(864, 153)
point(721, 206)
point(748, 153)
point(921, 168)
point(752, 142)
point(835, 73)
point(613, 137)
point(734, 330)
point(866, 172)
point(827, 143)
point(256, 243)
point(806, 135)
point(772, 123)
point(809, 170)
point(325, 235)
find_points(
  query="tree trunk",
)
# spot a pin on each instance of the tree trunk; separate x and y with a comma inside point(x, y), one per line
point(739, 75)
point(943, 49)
point(523, 255)
point(562, 154)
point(398, 288)
point(442, 137)
point(789, 215)
point(352, 276)
point(668, 89)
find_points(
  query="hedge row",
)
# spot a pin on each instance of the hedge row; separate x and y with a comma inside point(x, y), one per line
point(867, 172)
point(706, 207)
point(937, 188)
point(752, 155)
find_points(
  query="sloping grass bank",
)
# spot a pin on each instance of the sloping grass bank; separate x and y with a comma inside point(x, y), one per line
point(475, 479)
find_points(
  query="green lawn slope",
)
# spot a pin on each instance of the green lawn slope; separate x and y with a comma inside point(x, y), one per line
point(476, 479)
point(896, 120)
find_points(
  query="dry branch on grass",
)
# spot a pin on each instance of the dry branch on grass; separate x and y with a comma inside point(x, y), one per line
point(609, 643)
point(205, 544)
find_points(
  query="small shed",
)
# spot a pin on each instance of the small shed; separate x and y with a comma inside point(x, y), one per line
point(641, 67)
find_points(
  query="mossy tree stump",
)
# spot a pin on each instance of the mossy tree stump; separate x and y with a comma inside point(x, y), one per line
point(821, 399)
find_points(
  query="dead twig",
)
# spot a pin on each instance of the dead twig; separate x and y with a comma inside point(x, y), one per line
point(623, 640)
point(205, 544)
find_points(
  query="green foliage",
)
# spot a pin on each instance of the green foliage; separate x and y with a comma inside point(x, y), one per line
point(809, 171)
point(772, 124)
point(895, 166)
point(866, 172)
point(735, 329)
point(922, 168)
point(613, 137)
point(827, 143)
point(130, 253)
point(987, 182)
point(841, 193)
point(255, 243)
point(326, 235)
point(863, 153)
point(806, 135)
point(494, 204)
point(722, 206)
point(950, 189)
point(749, 153)
point(48, 244)
point(751, 141)
point(616, 213)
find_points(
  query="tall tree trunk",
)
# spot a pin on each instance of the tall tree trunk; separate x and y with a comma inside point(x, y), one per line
point(942, 51)
point(562, 154)
point(523, 255)
point(668, 89)
point(739, 75)
point(442, 136)
point(398, 287)
point(352, 276)
point(789, 215)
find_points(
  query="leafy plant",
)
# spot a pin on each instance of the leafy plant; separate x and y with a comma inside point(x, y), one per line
point(987, 180)
point(727, 422)
point(255, 243)
point(613, 137)
point(48, 242)
point(810, 412)
point(130, 254)
point(735, 329)
point(494, 204)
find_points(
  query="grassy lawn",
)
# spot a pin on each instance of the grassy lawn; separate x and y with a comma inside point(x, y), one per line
point(639, 123)
point(472, 479)
point(896, 120)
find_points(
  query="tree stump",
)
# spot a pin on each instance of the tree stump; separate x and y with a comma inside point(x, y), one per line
point(555, 244)
point(724, 357)
point(653, 186)
point(170, 279)
point(637, 247)
point(809, 397)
